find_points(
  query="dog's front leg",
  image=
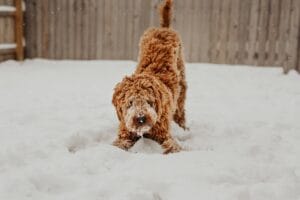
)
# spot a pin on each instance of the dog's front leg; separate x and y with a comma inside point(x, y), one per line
point(161, 134)
point(171, 146)
point(125, 139)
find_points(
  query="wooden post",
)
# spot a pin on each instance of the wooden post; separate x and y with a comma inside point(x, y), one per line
point(19, 30)
point(298, 49)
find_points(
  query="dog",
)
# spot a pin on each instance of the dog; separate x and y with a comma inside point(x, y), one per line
point(147, 101)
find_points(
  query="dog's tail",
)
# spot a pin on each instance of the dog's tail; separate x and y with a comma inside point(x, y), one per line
point(166, 14)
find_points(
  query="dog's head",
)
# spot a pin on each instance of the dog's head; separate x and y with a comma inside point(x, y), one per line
point(139, 102)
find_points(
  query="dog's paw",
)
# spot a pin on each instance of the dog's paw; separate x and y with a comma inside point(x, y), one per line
point(171, 146)
point(122, 144)
point(186, 128)
point(173, 150)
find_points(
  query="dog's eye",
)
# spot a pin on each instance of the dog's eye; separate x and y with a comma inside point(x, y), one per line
point(150, 103)
point(129, 104)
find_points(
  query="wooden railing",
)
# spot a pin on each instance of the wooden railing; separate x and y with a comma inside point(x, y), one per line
point(15, 12)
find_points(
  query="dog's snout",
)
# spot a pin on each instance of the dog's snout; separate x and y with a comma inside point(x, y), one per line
point(141, 120)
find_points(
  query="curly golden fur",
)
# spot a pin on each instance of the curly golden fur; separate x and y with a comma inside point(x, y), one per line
point(148, 100)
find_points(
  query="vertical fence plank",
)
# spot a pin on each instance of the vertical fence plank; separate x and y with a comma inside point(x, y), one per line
point(9, 2)
point(120, 31)
point(58, 37)
point(218, 30)
point(9, 33)
point(53, 26)
point(243, 30)
point(233, 29)
point(39, 24)
point(214, 30)
point(1, 34)
point(298, 53)
point(100, 29)
point(135, 23)
point(204, 31)
point(298, 48)
point(61, 30)
point(212, 26)
point(273, 33)
point(77, 29)
point(129, 28)
point(180, 26)
point(2, 26)
point(284, 30)
point(92, 30)
point(71, 27)
point(154, 19)
point(45, 29)
point(189, 8)
point(83, 34)
point(143, 24)
point(19, 30)
point(194, 53)
point(107, 30)
point(298, 61)
point(262, 31)
point(223, 33)
point(30, 30)
point(253, 33)
point(85, 29)
point(64, 30)
point(55, 39)
point(293, 37)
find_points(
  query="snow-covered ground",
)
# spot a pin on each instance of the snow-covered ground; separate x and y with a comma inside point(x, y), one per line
point(243, 143)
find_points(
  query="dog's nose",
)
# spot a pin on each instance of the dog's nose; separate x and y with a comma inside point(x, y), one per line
point(141, 120)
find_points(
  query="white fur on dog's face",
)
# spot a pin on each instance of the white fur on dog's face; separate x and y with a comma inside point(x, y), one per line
point(139, 107)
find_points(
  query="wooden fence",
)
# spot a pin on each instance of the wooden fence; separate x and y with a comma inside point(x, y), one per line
point(252, 32)
point(11, 30)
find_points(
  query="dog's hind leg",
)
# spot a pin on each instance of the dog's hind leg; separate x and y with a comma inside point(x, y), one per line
point(179, 116)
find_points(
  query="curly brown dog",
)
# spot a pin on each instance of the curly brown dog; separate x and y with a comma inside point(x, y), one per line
point(147, 101)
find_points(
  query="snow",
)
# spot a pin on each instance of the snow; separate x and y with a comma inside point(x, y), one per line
point(57, 124)
point(8, 46)
point(7, 8)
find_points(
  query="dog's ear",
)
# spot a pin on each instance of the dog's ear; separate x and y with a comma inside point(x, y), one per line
point(116, 100)
point(162, 98)
point(118, 97)
point(158, 101)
